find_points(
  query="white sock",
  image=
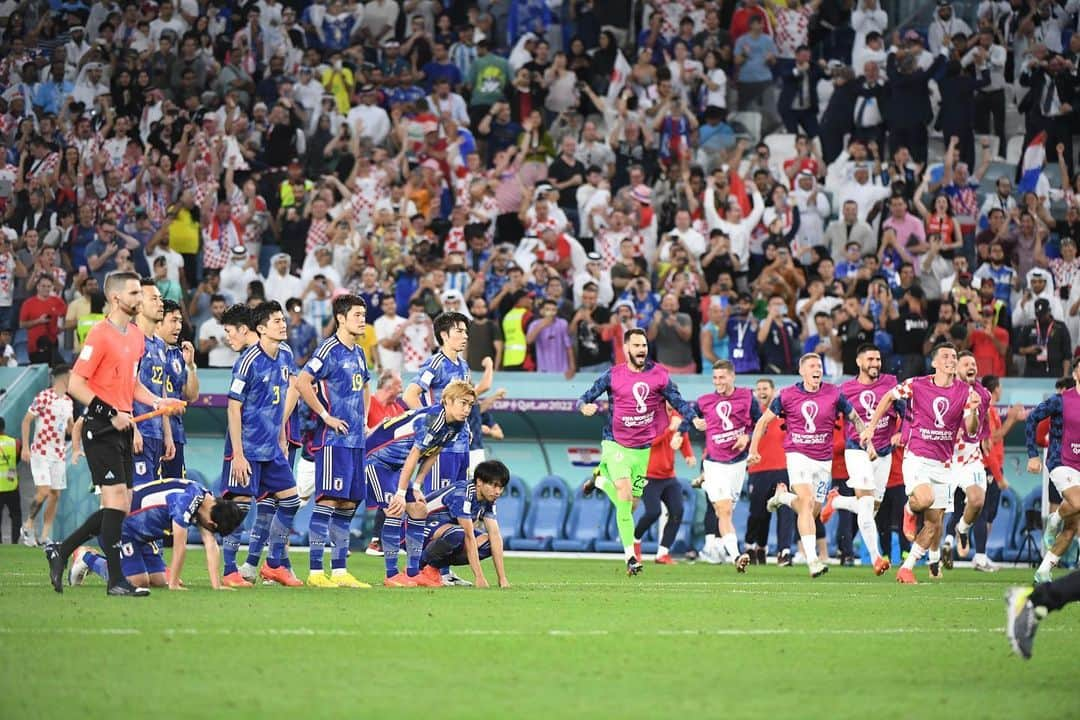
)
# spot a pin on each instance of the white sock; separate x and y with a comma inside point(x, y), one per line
point(949, 540)
point(628, 552)
point(846, 502)
point(338, 572)
point(661, 551)
point(934, 555)
point(601, 483)
point(710, 542)
point(864, 510)
point(786, 498)
point(981, 557)
point(731, 545)
point(962, 526)
point(809, 547)
point(1049, 562)
point(914, 555)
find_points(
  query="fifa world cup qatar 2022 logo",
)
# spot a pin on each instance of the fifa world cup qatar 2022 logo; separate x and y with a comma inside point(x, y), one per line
point(809, 410)
point(640, 391)
point(940, 406)
point(723, 412)
point(867, 400)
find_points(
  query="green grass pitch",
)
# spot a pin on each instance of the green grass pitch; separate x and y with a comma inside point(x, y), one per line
point(571, 638)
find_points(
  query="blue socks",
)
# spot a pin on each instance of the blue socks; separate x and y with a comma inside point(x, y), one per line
point(318, 535)
point(340, 522)
point(415, 531)
point(260, 531)
point(391, 541)
point(230, 544)
point(280, 528)
point(97, 565)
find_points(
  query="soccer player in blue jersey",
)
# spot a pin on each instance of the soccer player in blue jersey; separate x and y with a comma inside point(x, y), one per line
point(399, 448)
point(334, 384)
point(261, 381)
point(453, 535)
point(181, 382)
point(160, 508)
point(152, 440)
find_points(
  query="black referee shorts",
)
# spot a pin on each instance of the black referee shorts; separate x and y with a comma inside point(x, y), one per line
point(108, 452)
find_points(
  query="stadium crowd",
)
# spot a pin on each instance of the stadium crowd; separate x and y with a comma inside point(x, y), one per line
point(745, 181)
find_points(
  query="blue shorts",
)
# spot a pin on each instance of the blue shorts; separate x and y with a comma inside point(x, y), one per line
point(138, 557)
point(148, 462)
point(451, 468)
point(339, 474)
point(268, 477)
point(175, 468)
point(382, 484)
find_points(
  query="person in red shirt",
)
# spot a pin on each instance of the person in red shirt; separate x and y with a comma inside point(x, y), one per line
point(988, 342)
point(740, 19)
point(104, 380)
point(765, 479)
point(662, 487)
point(41, 316)
point(386, 403)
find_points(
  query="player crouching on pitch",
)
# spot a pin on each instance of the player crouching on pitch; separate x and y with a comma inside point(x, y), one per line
point(453, 537)
point(159, 508)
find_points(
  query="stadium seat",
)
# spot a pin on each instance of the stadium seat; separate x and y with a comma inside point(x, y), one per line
point(546, 516)
point(1051, 170)
point(781, 146)
point(511, 508)
point(999, 544)
point(587, 523)
point(749, 120)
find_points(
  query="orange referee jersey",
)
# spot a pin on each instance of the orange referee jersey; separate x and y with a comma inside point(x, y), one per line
point(109, 361)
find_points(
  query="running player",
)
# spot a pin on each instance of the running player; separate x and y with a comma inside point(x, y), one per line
point(152, 440)
point(1026, 607)
point(51, 415)
point(638, 390)
point(400, 448)
point(810, 409)
point(340, 400)
point(181, 382)
point(261, 381)
point(453, 535)
point(160, 508)
point(1063, 460)
point(939, 405)
point(868, 478)
point(730, 414)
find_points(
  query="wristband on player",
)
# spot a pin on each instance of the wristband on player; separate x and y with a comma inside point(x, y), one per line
point(418, 490)
point(325, 415)
point(400, 493)
point(101, 409)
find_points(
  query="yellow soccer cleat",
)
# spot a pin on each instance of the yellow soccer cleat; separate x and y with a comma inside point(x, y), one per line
point(319, 580)
point(346, 580)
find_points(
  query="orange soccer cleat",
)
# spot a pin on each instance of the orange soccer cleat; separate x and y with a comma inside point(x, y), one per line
point(428, 577)
point(881, 565)
point(910, 525)
point(665, 560)
point(637, 550)
point(281, 575)
point(398, 581)
point(905, 576)
point(827, 509)
point(235, 580)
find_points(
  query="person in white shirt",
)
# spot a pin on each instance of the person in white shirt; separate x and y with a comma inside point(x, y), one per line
point(167, 19)
point(691, 238)
point(734, 225)
point(868, 17)
point(945, 24)
point(814, 210)
point(592, 150)
point(1040, 285)
point(376, 123)
point(594, 273)
point(389, 328)
point(873, 51)
point(279, 284)
point(212, 337)
point(238, 273)
point(863, 190)
point(444, 102)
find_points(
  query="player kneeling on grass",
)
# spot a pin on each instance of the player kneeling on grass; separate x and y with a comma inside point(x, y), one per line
point(453, 537)
point(159, 508)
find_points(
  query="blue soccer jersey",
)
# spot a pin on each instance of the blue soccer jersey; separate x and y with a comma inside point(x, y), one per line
point(455, 502)
point(426, 429)
point(260, 383)
point(433, 377)
point(152, 376)
point(341, 377)
point(176, 376)
point(157, 505)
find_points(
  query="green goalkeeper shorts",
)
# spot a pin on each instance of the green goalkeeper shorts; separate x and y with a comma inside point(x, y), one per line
point(617, 462)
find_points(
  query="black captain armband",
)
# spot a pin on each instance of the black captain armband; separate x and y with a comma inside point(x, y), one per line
point(101, 409)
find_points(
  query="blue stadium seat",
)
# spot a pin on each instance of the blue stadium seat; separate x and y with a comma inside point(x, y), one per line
point(1000, 543)
point(587, 523)
point(511, 509)
point(1031, 501)
point(611, 542)
point(546, 515)
point(198, 477)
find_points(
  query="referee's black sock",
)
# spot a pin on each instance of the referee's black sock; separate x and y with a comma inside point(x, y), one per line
point(111, 523)
point(89, 529)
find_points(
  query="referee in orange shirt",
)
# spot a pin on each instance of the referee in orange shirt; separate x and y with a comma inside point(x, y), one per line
point(104, 381)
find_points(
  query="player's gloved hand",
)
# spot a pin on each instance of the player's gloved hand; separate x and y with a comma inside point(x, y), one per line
point(1034, 465)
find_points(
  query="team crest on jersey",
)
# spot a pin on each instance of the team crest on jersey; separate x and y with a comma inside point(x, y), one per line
point(140, 468)
point(176, 366)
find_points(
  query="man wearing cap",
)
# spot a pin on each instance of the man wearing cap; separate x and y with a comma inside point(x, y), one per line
point(1045, 345)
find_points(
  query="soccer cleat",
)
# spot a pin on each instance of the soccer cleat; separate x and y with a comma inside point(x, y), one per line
point(637, 550)
point(817, 569)
point(1051, 531)
point(910, 524)
point(57, 565)
point(1043, 577)
point(947, 555)
point(26, 537)
point(963, 542)
point(905, 576)
point(428, 577)
point(881, 565)
point(665, 560)
point(280, 575)
point(346, 580)
point(774, 503)
point(741, 562)
point(935, 570)
point(236, 580)
point(981, 563)
point(1021, 621)
point(318, 579)
point(374, 548)
point(711, 554)
point(452, 579)
point(126, 589)
point(249, 572)
point(589, 485)
point(633, 567)
point(847, 560)
point(697, 482)
point(399, 580)
point(79, 569)
point(783, 558)
point(827, 509)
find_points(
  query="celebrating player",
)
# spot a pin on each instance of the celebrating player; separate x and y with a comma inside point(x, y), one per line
point(340, 400)
point(868, 478)
point(160, 508)
point(261, 380)
point(810, 409)
point(152, 440)
point(637, 389)
point(404, 446)
point(730, 414)
point(453, 535)
point(181, 382)
point(939, 405)
point(47, 453)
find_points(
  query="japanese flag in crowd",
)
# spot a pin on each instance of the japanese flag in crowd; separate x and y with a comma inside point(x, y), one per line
point(619, 76)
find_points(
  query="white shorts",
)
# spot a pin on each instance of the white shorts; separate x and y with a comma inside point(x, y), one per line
point(1064, 478)
point(476, 457)
point(964, 476)
point(48, 472)
point(723, 481)
point(305, 478)
point(815, 473)
point(866, 474)
point(924, 471)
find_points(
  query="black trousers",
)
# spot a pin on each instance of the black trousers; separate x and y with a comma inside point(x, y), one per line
point(845, 524)
point(913, 138)
point(762, 486)
point(794, 119)
point(669, 493)
point(1056, 595)
point(890, 518)
point(11, 500)
point(832, 142)
point(990, 116)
